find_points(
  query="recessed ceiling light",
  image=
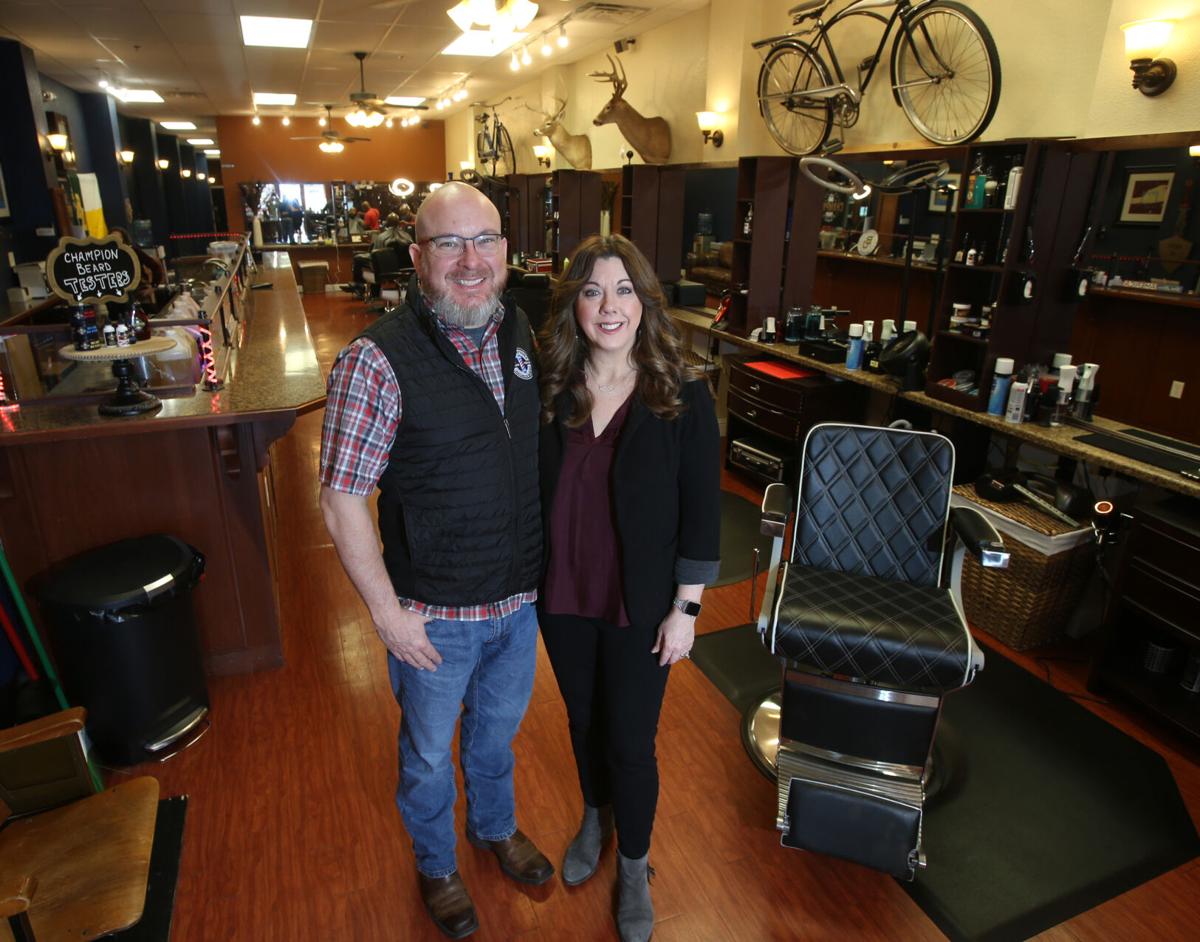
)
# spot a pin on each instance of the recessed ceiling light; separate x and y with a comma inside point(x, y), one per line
point(212, 152)
point(200, 141)
point(274, 98)
point(481, 42)
point(136, 95)
point(404, 101)
point(276, 31)
point(177, 125)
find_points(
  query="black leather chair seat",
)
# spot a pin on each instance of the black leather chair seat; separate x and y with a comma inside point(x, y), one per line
point(894, 634)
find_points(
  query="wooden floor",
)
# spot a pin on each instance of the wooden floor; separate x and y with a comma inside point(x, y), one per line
point(292, 833)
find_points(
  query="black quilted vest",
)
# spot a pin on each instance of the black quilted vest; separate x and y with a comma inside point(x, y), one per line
point(458, 506)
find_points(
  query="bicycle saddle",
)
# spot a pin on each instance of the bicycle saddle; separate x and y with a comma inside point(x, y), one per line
point(802, 11)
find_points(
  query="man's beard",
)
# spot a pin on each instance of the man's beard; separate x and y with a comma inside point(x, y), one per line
point(466, 316)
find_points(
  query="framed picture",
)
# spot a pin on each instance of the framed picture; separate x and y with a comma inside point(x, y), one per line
point(1146, 195)
point(939, 200)
point(4, 211)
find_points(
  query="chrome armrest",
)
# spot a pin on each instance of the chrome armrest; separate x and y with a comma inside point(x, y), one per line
point(776, 505)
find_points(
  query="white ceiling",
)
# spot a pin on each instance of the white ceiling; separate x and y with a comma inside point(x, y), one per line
point(191, 53)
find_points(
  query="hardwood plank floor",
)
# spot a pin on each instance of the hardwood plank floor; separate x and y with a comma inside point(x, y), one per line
point(292, 832)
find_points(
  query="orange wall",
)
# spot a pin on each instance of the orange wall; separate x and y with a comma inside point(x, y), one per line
point(267, 154)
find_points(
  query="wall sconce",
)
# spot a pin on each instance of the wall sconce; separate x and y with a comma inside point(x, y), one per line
point(57, 141)
point(126, 156)
point(710, 126)
point(162, 163)
point(1144, 39)
point(542, 153)
point(185, 173)
point(1194, 150)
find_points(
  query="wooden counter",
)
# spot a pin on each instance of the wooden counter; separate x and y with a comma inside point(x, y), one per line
point(199, 469)
point(1062, 440)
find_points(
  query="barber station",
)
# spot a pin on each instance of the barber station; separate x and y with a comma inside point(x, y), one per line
point(676, 469)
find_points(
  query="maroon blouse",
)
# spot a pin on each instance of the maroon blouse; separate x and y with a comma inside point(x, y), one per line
point(584, 575)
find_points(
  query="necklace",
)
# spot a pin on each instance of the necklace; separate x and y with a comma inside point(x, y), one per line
point(609, 387)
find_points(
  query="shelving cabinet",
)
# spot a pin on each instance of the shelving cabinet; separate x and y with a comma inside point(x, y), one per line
point(652, 215)
point(1151, 653)
point(1022, 266)
point(572, 213)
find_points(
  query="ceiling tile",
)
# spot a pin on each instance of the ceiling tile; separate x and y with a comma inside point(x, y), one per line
point(191, 6)
point(373, 12)
point(189, 28)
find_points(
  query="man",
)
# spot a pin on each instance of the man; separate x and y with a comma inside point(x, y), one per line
point(437, 405)
point(370, 215)
point(354, 223)
point(392, 235)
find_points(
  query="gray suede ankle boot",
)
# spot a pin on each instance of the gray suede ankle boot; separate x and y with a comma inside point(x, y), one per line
point(635, 912)
point(583, 855)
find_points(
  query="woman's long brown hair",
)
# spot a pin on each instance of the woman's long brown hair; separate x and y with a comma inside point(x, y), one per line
point(657, 351)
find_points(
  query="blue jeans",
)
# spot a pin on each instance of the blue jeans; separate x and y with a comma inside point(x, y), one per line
point(487, 673)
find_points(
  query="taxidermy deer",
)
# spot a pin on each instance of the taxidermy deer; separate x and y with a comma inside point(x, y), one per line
point(650, 137)
point(575, 148)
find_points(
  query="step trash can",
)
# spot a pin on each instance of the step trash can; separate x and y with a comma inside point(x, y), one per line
point(120, 621)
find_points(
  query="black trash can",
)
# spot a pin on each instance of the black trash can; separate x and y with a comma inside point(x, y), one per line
point(124, 637)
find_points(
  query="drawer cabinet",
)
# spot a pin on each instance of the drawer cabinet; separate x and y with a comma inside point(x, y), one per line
point(1151, 651)
point(770, 416)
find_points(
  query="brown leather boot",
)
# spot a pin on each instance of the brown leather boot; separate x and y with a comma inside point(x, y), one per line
point(518, 857)
point(449, 905)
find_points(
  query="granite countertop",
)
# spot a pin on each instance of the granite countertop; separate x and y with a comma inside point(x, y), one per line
point(1062, 440)
point(273, 372)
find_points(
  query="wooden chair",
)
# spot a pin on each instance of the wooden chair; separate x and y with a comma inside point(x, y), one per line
point(78, 871)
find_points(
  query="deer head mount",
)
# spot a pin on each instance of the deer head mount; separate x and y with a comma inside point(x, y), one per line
point(650, 137)
point(575, 148)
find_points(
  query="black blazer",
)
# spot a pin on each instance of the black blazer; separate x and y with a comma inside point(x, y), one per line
point(666, 482)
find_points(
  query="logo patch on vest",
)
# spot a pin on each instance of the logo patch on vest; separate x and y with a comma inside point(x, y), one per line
point(522, 365)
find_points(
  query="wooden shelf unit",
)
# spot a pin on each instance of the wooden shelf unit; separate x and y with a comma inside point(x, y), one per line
point(652, 215)
point(573, 213)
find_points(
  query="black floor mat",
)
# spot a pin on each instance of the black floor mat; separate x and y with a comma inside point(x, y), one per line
point(1047, 812)
point(1146, 453)
point(739, 535)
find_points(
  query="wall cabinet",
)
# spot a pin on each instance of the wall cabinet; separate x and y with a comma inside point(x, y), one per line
point(652, 215)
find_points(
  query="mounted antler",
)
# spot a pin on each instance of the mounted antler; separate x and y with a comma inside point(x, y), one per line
point(575, 148)
point(619, 84)
point(650, 137)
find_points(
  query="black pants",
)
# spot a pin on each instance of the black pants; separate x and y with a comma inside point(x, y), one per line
point(613, 689)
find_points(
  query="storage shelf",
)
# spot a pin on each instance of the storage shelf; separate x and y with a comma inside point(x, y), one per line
point(954, 335)
point(994, 269)
point(872, 260)
point(986, 209)
point(1161, 696)
point(1147, 297)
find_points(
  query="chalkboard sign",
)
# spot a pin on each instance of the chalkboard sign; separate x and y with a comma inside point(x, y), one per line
point(88, 270)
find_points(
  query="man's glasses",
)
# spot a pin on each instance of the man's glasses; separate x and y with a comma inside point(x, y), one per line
point(452, 246)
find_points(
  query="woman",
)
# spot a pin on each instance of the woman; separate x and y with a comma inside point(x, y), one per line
point(630, 495)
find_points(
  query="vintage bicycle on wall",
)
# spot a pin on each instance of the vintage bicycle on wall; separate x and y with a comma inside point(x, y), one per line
point(944, 71)
point(493, 143)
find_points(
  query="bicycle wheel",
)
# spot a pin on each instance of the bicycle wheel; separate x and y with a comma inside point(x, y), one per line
point(506, 155)
point(946, 73)
point(800, 125)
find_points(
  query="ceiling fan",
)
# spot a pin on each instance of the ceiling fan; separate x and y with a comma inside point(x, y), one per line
point(369, 109)
point(331, 141)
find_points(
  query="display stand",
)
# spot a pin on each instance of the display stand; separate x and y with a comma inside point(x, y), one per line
point(128, 399)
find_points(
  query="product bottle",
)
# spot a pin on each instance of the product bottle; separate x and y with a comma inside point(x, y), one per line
point(1063, 403)
point(854, 353)
point(748, 222)
point(871, 346)
point(972, 255)
point(1014, 184)
point(976, 185)
point(1085, 391)
point(79, 327)
point(110, 335)
point(138, 323)
point(960, 255)
point(1014, 413)
point(888, 331)
point(91, 329)
point(910, 326)
point(1001, 381)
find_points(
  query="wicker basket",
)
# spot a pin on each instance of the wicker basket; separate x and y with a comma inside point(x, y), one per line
point(1029, 603)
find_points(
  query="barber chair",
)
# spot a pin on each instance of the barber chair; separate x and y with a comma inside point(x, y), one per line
point(870, 637)
point(531, 291)
point(78, 871)
point(386, 279)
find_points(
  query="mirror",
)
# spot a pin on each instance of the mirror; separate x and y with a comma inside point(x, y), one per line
point(1144, 229)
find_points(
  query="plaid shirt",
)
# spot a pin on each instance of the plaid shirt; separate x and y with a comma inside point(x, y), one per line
point(362, 417)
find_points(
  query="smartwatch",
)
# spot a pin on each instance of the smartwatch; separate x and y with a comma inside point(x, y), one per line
point(688, 608)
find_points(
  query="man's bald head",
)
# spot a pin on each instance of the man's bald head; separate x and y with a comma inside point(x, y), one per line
point(455, 208)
